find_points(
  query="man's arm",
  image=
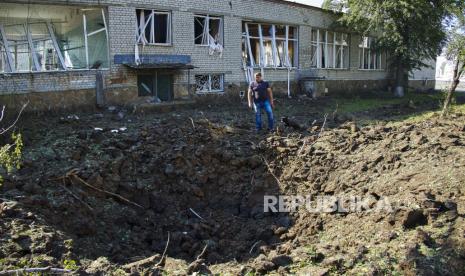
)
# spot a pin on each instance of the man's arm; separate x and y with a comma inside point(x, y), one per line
point(270, 96)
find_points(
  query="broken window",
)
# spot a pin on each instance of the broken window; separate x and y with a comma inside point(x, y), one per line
point(329, 49)
point(369, 57)
point(153, 27)
point(209, 83)
point(52, 38)
point(269, 45)
point(208, 28)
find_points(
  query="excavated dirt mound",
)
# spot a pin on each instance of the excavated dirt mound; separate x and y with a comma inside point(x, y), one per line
point(97, 193)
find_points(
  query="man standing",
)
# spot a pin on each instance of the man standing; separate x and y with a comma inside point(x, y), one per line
point(261, 96)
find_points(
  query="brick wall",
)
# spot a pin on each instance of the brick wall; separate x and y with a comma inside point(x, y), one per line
point(121, 25)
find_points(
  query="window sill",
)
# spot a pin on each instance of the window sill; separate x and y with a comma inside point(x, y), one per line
point(278, 68)
point(372, 70)
point(158, 44)
point(332, 69)
point(53, 72)
point(204, 46)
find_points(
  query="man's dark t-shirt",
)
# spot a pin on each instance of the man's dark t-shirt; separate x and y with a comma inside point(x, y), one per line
point(260, 91)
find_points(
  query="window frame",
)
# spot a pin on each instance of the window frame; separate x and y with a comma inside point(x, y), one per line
point(209, 17)
point(246, 38)
point(320, 47)
point(33, 44)
point(169, 25)
point(210, 90)
point(379, 55)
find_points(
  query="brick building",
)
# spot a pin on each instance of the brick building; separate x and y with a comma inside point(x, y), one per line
point(51, 51)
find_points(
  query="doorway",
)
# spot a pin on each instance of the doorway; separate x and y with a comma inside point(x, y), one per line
point(158, 85)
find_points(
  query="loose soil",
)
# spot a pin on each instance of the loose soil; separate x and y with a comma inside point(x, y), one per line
point(98, 192)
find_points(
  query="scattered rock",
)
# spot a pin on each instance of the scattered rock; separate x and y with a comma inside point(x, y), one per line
point(281, 260)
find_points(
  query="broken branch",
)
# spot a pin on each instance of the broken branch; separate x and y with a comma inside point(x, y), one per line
point(74, 172)
point(317, 137)
point(163, 256)
point(271, 172)
point(5, 130)
point(106, 192)
point(197, 215)
point(3, 112)
point(253, 247)
point(76, 197)
point(202, 253)
point(192, 121)
point(35, 270)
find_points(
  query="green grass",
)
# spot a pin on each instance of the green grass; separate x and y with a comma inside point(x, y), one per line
point(373, 102)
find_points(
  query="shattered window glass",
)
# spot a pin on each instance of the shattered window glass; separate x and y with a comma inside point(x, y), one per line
point(52, 38)
point(370, 58)
point(269, 45)
point(208, 28)
point(209, 83)
point(153, 27)
point(329, 49)
point(2, 58)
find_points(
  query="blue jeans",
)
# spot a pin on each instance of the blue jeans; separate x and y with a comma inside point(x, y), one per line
point(258, 106)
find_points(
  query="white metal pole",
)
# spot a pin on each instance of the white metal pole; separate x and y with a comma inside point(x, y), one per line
point(56, 46)
point(35, 60)
point(249, 48)
point(334, 49)
point(262, 46)
point(9, 55)
point(318, 48)
point(86, 45)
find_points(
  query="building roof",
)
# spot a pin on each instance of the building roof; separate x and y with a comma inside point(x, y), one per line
point(175, 66)
point(296, 4)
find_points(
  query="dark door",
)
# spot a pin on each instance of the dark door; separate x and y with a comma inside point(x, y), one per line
point(164, 87)
point(145, 83)
point(159, 85)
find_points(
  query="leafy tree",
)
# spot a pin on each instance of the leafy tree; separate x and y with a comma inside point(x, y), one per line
point(10, 154)
point(455, 52)
point(411, 31)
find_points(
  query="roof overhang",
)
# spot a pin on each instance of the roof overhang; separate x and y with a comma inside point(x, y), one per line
point(152, 66)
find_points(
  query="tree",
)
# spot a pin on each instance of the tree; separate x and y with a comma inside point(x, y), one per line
point(410, 31)
point(10, 154)
point(455, 52)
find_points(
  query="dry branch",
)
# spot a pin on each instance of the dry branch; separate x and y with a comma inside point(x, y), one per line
point(192, 121)
point(151, 259)
point(163, 256)
point(195, 213)
point(271, 171)
point(35, 270)
point(74, 173)
point(202, 253)
point(142, 262)
point(76, 197)
point(5, 130)
point(317, 137)
point(253, 247)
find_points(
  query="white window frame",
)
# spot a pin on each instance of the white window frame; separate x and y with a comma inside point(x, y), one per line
point(210, 90)
point(321, 47)
point(366, 46)
point(262, 38)
point(9, 62)
point(207, 21)
point(141, 40)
